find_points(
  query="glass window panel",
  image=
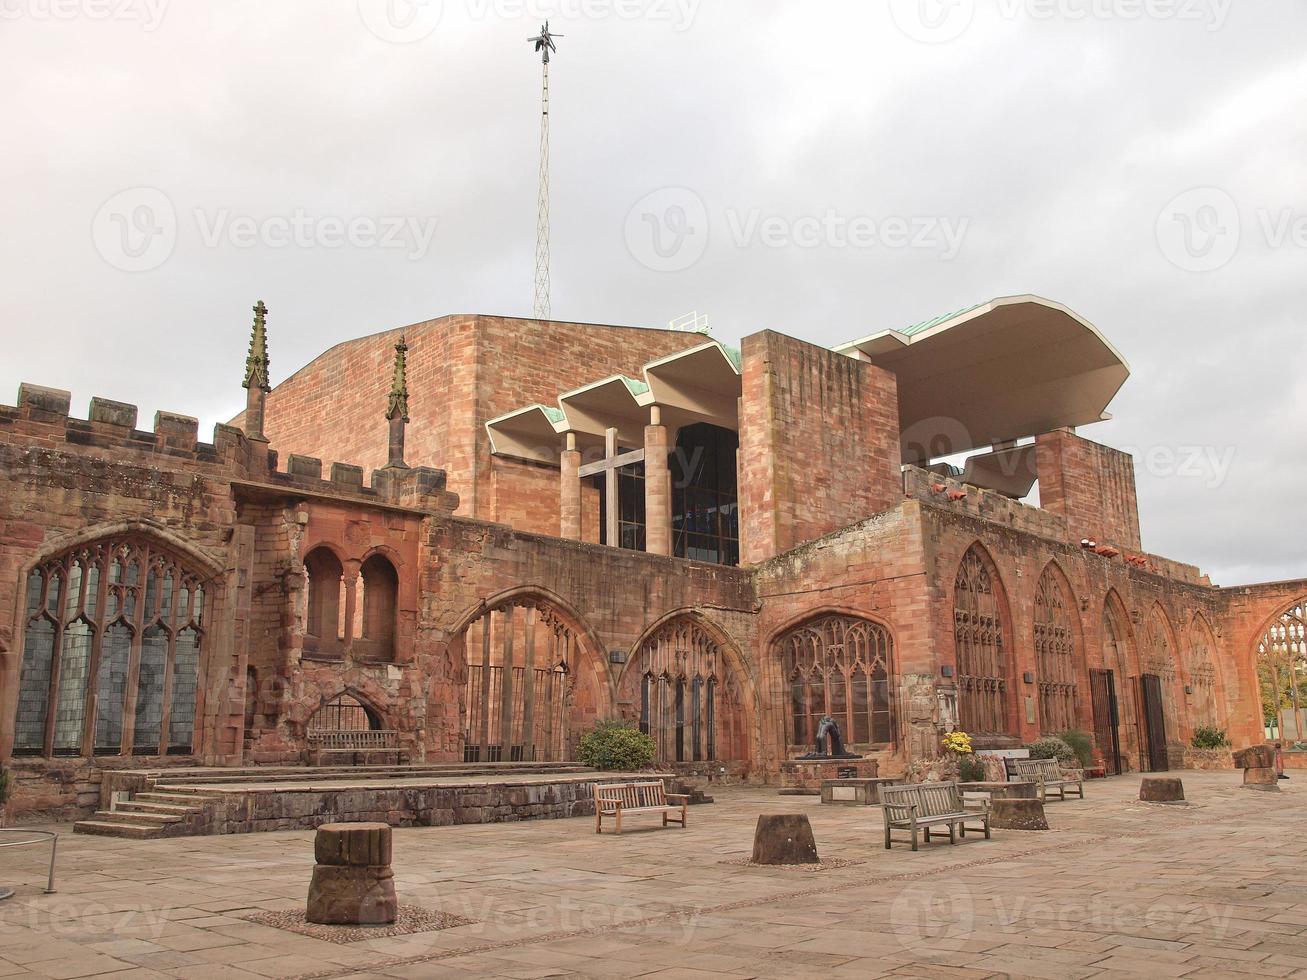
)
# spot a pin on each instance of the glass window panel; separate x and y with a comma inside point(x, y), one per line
point(33, 593)
point(185, 675)
point(34, 687)
point(70, 708)
point(149, 690)
point(111, 688)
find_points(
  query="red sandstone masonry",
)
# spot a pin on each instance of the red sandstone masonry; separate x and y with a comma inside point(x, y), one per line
point(819, 443)
point(1090, 485)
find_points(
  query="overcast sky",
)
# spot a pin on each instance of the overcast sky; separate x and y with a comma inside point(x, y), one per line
point(822, 169)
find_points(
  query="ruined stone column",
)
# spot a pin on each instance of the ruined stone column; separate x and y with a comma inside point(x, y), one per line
point(657, 487)
point(353, 883)
point(397, 408)
point(569, 507)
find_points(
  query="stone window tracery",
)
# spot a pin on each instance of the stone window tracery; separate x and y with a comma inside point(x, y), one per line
point(112, 651)
point(1282, 672)
point(979, 623)
point(1055, 651)
point(839, 666)
point(680, 665)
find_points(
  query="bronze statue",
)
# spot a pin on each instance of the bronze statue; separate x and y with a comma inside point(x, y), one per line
point(829, 737)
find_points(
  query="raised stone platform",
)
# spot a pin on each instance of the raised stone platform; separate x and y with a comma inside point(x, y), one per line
point(226, 801)
point(806, 775)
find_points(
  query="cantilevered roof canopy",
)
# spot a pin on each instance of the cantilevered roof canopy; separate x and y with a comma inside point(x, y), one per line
point(1010, 368)
point(698, 385)
point(531, 433)
point(611, 403)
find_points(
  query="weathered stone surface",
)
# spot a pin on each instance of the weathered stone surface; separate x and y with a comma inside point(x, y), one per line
point(853, 792)
point(1004, 791)
point(1261, 777)
point(353, 883)
point(352, 896)
point(1255, 757)
point(1015, 813)
point(784, 838)
point(353, 844)
point(1161, 789)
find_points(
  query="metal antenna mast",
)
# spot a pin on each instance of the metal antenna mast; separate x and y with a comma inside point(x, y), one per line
point(544, 43)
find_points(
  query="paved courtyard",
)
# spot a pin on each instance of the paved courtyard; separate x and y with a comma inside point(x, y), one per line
point(1217, 888)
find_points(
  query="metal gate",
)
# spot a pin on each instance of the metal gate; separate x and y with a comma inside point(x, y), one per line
point(1107, 719)
point(1154, 722)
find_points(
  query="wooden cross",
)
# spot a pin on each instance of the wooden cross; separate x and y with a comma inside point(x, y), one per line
point(609, 466)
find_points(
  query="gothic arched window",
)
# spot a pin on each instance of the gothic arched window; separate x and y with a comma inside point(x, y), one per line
point(839, 666)
point(112, 645)
point(979, 627)
point(1055, 651)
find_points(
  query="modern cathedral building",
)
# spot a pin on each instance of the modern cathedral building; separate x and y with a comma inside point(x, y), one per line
point(482, 535)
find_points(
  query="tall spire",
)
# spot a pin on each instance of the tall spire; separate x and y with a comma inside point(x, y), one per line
point(544, 44)
point(398, 406)
point(256, 364)
point(397, 409)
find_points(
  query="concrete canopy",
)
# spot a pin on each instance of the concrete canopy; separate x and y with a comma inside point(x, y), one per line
point(1014, 367)
point(533, 433)
point(611, 403)
point(698, 385)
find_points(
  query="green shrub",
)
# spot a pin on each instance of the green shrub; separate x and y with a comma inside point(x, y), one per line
point(614, 745)
point(1210, 737)
point(1052, 747)
point(971, 769)
point(1082, 745)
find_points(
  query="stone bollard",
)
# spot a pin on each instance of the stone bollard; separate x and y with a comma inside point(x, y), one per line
point(1161, 789)
point(1258, 765)
point(1015, 813)
point(784, 838)
point(353, 884)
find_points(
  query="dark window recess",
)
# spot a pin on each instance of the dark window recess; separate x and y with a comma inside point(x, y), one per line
point(705, 496)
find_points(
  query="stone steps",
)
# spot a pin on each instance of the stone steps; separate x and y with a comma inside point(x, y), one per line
point(118, 828)
point(174, 783)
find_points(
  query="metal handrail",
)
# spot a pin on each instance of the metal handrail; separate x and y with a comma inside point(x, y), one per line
point(42, 836)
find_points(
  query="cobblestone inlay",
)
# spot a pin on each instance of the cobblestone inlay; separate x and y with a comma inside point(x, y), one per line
point(411, 920)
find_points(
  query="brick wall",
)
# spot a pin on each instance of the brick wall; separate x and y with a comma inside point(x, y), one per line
point(462, 372)
point(1091, 486)
point(819, 443)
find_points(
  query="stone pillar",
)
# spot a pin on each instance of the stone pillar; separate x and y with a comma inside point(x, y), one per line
point(353, 883)
point(657, 487)
point(569, 507)
point(255, 409)
point(395, 453)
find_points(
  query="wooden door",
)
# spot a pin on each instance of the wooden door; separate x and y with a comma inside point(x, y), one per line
point(1107, 719)
point(1153, 728)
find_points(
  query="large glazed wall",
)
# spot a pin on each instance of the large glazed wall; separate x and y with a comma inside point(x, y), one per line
point(819, 443)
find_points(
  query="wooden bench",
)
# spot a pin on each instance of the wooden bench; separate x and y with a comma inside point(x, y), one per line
point(925, 805)
point(1048, 774)
point(361, 744)
point(615, 799)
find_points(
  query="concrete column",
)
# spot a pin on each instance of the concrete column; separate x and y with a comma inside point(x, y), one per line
point(657, 487)
point(569, 510)
point(612, 499)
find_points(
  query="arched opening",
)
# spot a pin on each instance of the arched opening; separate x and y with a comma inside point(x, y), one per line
point(1282, 674)
point(531, 686)
point(980, 632)
point(1056, 655)
point(689, 695)
point(1109, 689)
point(1159, 718)
point(1202, 675)
point(840, 666)
point(324, 627)
point(113, 638)
point(344, 713)
point(380, 599)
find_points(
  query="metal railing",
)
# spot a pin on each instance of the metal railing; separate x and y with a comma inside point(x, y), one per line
point(41, 837)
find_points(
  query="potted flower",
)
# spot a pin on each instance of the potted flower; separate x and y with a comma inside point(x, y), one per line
point(959, 758)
